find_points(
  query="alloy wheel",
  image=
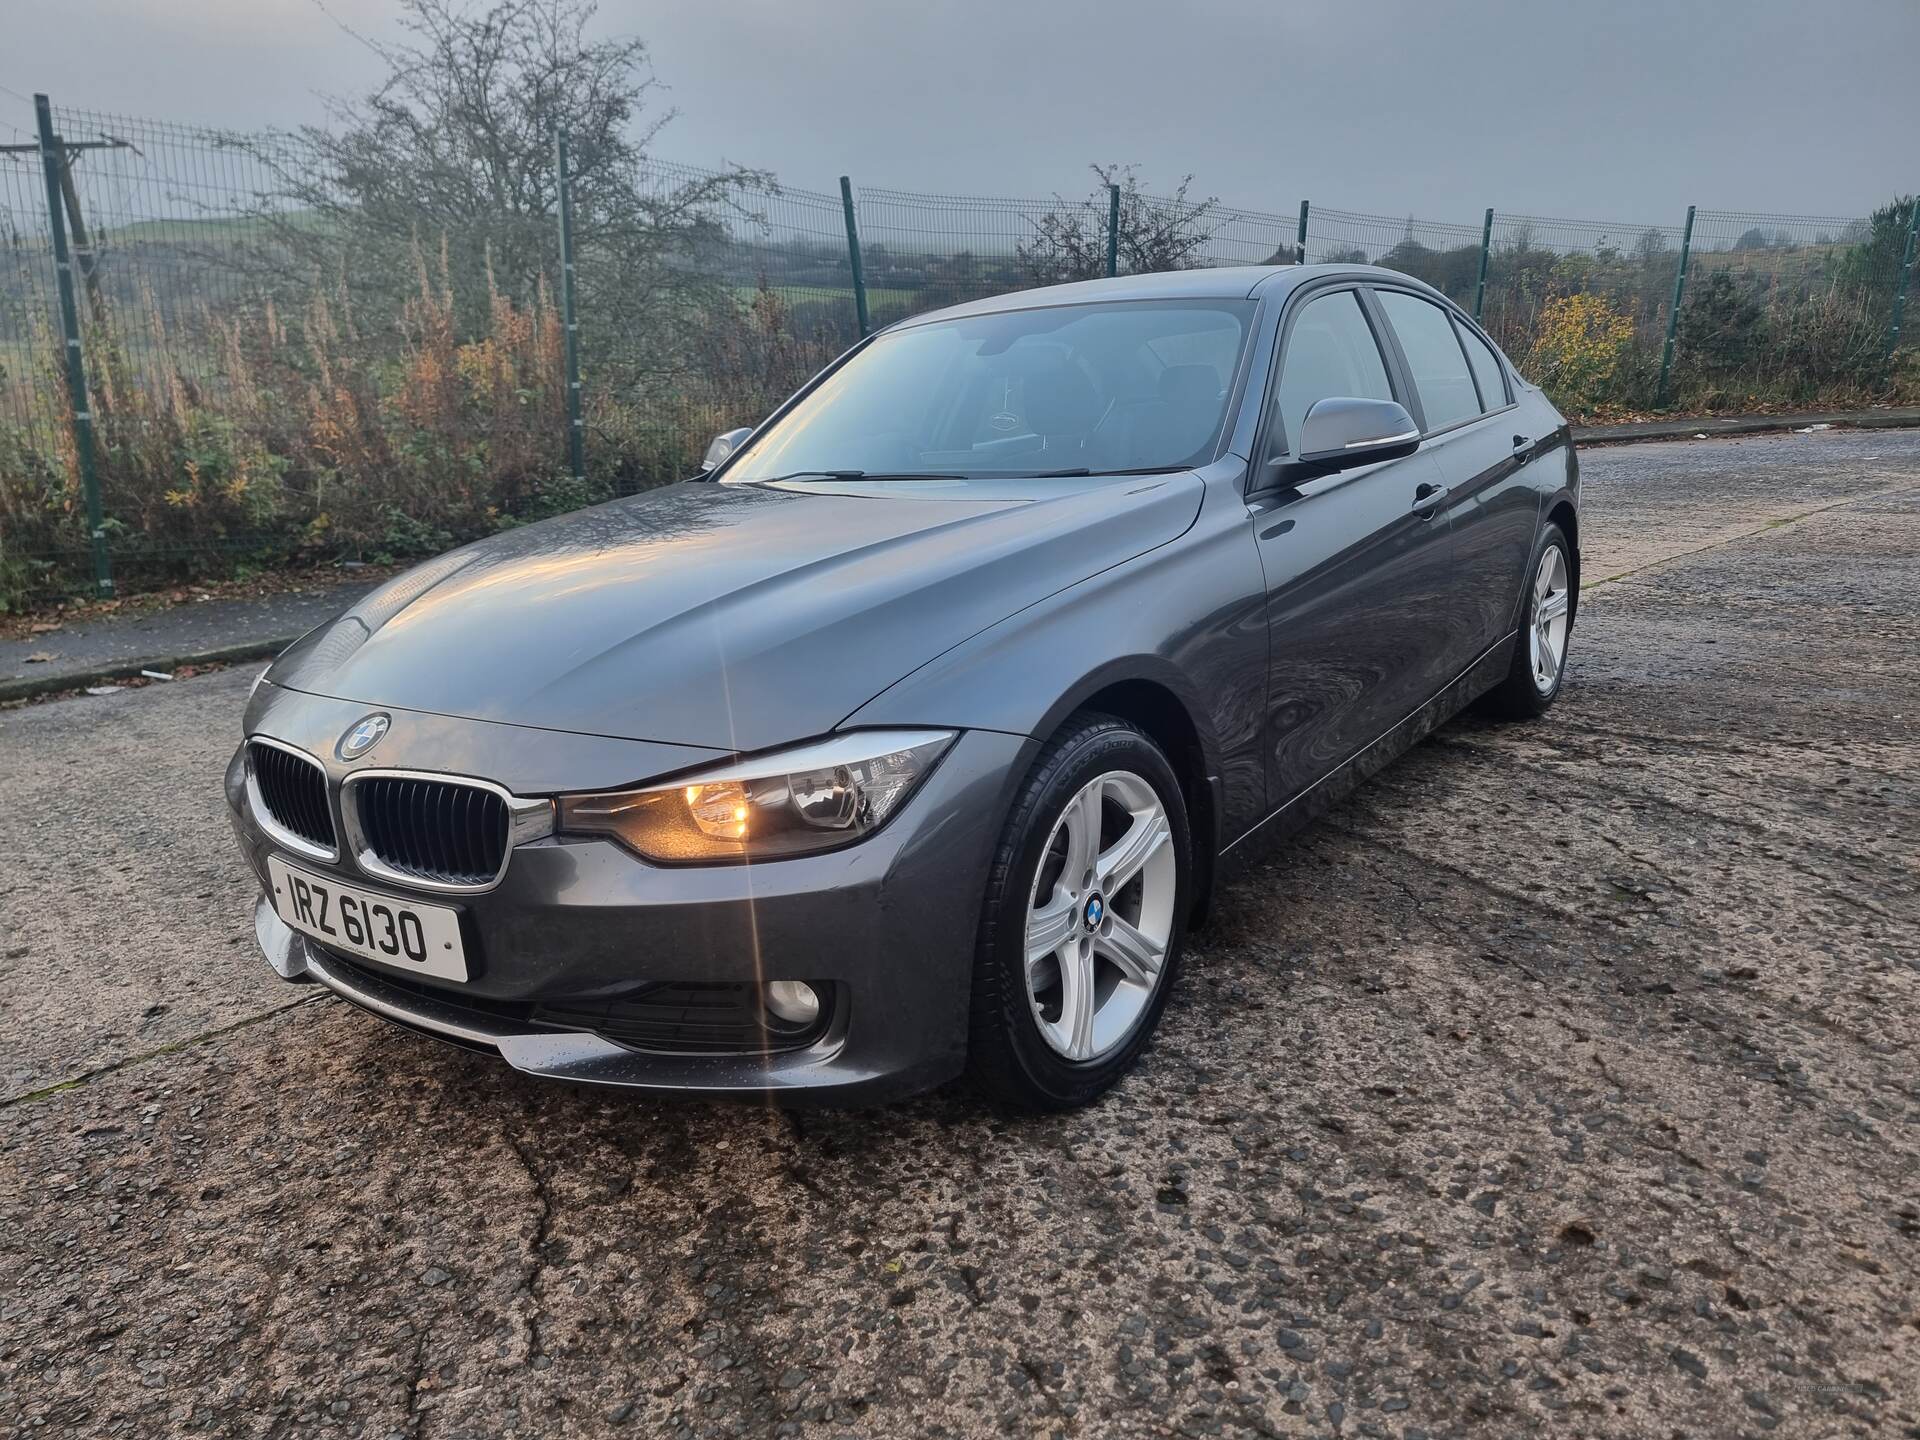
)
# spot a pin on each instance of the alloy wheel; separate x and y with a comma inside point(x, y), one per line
point(1100, 916)
point(1547, 635)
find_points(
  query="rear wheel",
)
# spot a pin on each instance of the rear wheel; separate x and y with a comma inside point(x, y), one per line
point(1539, 664)
point(1084, 918)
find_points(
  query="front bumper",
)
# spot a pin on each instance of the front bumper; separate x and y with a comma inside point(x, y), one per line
point(889, 923)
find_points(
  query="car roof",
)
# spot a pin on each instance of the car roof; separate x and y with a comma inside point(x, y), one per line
point(1222, 282)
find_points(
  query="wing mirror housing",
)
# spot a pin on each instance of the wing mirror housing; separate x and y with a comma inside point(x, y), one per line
point(722, 448)
point(1342, 432)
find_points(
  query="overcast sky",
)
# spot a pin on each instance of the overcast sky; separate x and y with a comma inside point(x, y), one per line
point(1608, 109)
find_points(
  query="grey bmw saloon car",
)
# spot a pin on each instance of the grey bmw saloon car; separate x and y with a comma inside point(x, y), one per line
point(912, 735)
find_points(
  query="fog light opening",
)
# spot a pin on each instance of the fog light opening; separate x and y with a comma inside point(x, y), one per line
point(792, 1002)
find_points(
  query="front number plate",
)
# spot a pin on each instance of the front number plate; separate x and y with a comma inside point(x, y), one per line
point(422, 938)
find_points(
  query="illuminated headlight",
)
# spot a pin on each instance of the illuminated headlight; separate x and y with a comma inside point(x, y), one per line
point(815, 797)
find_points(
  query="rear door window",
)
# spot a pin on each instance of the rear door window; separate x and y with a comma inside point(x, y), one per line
point(1486, 370)
point(1438, 364)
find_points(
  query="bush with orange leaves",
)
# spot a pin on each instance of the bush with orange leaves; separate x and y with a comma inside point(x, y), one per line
point(1578, 350)
point(252, 437)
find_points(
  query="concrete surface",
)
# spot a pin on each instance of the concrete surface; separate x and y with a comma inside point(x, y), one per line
point(1562, 1080)
point(116, 645)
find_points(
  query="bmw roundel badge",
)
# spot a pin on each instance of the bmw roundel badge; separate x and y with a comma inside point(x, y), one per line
point(364, 735)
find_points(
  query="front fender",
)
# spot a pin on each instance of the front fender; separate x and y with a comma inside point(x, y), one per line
point(1188, 617)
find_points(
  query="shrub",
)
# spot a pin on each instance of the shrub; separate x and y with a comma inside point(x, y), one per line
point(1721, 327)
point(1577, 351)
point(1747, 339)
point(1828, 345)
point(242, 438)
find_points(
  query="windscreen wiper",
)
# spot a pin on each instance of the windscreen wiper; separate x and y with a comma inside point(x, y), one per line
point(1076, 473)
point(860, 475)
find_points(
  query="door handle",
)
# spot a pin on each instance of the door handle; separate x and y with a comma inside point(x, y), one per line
point(1521, 442)
point(1428, 498)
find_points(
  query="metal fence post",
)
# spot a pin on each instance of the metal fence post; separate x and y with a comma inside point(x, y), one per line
point(1300, 240)
point(1486, 244)
point(1900, 286)
point(1673, 312)
point(1113, 231)
point(576, 423)
point(53, 162)
point(853, 258)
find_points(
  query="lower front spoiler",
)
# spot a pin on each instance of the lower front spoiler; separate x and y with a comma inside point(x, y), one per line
point(822, 1073)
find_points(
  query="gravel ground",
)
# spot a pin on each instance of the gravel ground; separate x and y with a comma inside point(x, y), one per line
point(1563, 1079)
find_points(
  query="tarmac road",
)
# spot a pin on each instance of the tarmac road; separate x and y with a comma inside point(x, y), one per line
point(1563, 1079)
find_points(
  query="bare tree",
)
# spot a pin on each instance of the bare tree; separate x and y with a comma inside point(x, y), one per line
point(451, 158)
point(1070, 242)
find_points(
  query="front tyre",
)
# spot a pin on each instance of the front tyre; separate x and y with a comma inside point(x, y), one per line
point(1085, 912)
point(1540, 656)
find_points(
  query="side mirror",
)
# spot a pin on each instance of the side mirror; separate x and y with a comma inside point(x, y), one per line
point(1342, 432)
point(723, 446)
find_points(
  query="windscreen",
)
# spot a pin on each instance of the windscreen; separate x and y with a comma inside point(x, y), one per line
point(1119, 386)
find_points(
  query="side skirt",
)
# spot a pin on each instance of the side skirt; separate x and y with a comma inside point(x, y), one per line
point(1478, 678)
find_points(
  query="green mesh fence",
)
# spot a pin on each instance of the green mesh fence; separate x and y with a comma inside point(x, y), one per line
point(284, 369)
point(922, 252)
point(41, 508)
point(31, 412)
point(292, 361)
point(177, 261)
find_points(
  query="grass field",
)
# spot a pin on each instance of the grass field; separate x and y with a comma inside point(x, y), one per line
point(817, 294)
point(207, 231)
